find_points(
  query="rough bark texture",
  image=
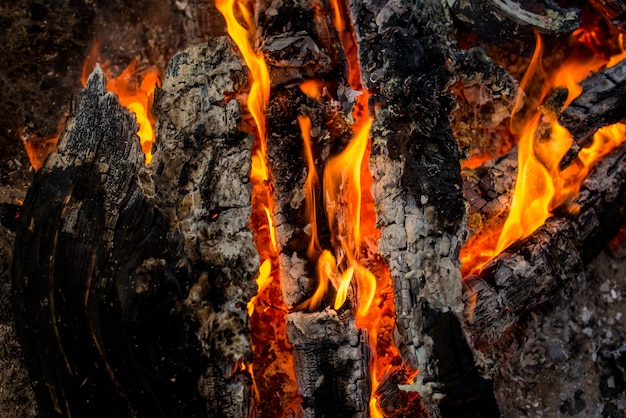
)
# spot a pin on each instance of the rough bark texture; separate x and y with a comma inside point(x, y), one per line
point(199, 178)
point(496, 20)
point(419, 202)
point(528, 271)
point(601, 103)
point(331, 356)
point(131, 293)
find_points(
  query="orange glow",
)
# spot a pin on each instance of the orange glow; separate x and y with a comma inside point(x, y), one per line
point(262, 281)
point(136, 96)
point(312, 88)
point(541, 186)
point(38, 148)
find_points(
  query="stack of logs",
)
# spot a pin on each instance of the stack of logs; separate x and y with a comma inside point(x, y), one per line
point(131, 282)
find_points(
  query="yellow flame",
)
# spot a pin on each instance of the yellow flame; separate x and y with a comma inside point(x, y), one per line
point(260, 87)
point(263, 280)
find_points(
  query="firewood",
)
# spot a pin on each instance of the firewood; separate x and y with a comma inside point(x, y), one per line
point(332, 358)
point(528, 271)
point(614, 11)
point(131, 283)
point(600, 104)
point(418, 196)
point(496, 20)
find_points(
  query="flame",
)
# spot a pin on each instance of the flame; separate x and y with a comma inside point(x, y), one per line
point(263, 280)
point(541, 186)
point(312, 88)
point(38, 148)
point(136, 96)
point(274, 370)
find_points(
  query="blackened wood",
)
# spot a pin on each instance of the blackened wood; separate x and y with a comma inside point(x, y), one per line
point(528, 271)
point(65, 274)
point(332, 362)
point(418, 193)
point(612, 10)
point(131, 284)
point(601, 103)
point(199, 178)
point(497, 20)
point(298, 39)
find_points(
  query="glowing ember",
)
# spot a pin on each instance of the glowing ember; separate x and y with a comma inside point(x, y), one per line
point(541, 186)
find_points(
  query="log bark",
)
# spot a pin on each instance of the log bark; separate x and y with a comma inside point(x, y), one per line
point(601, 103)
point(528, 271)
point(496, 20)
point(131, 283)
point(332, 360)
point(419, 202)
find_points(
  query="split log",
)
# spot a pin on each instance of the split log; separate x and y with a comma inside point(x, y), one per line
point(131, 284)
point(497, 20)
point(601, 103)
point(529, 270)
point(419, 202)
point(331, 355)
point(332, 359)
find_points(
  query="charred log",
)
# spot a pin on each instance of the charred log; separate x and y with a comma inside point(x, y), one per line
point(600, 104)
point(419, 202)
point(332, 358)
point(131, 284)
point(528, 271)
point(496, 20)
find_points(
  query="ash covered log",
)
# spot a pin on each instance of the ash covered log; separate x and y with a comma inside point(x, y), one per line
point(131, 288)
point(528, 271)
point(496, 20)
point(199, 179)
point(332, 359)
point(419, 202)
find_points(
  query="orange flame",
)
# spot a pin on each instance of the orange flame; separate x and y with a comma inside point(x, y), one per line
point(541, 186)
point(135, 96)
point(312, 88)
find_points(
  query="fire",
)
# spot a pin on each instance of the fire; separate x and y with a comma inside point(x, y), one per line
point(137, 96)
point(274, 370)
point(541, 185)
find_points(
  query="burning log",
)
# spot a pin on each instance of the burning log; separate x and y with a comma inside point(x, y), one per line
point(419, 202)
point(613, 11)
point(529, 270)
point(134, 284)
point(600, 104)
point(496, 20)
